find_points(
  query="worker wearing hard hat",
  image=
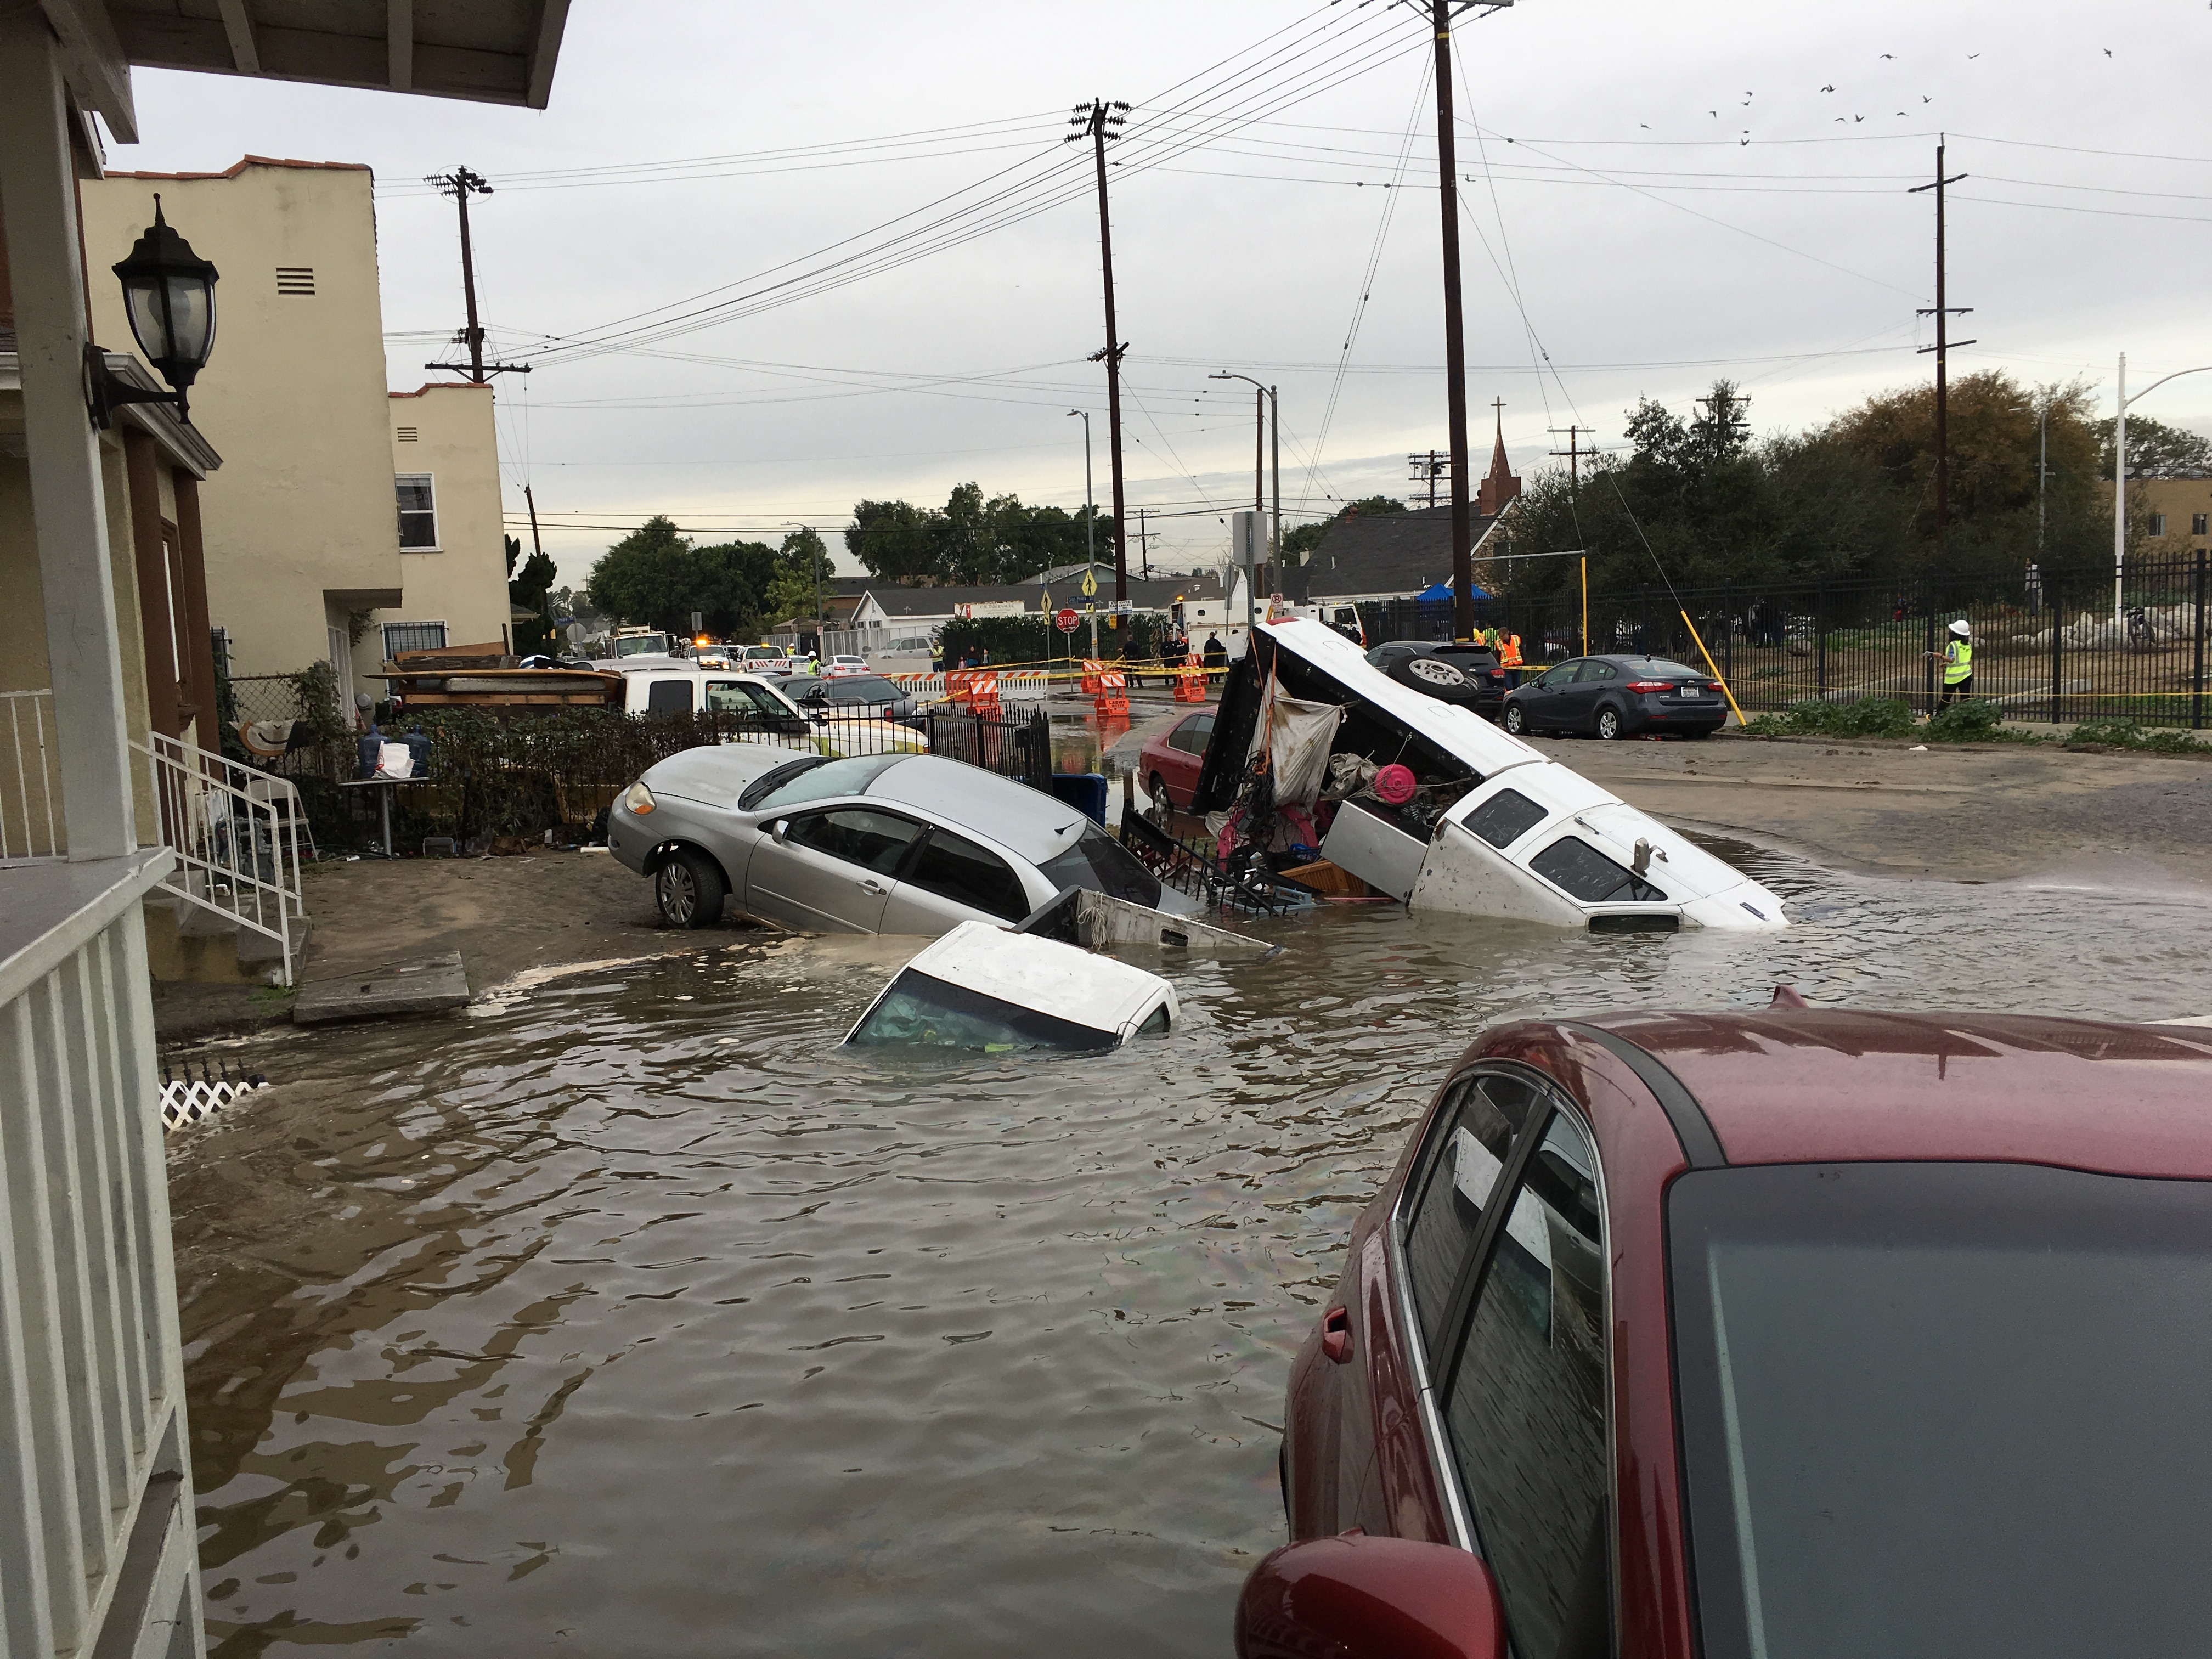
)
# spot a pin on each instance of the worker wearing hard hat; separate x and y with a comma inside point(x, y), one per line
point(1958, 659)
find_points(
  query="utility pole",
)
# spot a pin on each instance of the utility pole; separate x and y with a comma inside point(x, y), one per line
point(2042, 467)
point(1090, 502)
point(1573, 452)
point(461, 183)
point(1942, 313)
point(1463, 530)
point(1100, 121)
point(1144, 544)
point(1427, 469)
point(1275, 523)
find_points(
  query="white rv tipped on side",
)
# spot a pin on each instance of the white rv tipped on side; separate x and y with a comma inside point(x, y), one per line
point(1529, 839)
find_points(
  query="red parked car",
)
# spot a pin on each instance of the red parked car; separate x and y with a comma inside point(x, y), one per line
point(1801, 1333)
point(1170, 761)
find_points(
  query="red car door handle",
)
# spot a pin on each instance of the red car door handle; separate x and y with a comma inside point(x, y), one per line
point(1336, 1335)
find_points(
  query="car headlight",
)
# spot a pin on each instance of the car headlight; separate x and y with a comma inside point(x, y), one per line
point(637, 799)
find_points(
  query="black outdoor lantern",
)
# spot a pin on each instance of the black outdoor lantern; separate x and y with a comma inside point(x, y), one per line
point(168, 294)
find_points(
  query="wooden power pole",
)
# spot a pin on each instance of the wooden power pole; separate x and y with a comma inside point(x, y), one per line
point(461, 183)
point(1100, 121)
point(1942, 313)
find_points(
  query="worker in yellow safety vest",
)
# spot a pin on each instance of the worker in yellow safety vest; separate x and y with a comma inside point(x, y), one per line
point(1509, 659)
point(1958, 658)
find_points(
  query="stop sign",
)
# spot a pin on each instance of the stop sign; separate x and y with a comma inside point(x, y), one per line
point(1066, 621)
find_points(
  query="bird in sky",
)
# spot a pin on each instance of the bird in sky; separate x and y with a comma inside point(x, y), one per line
point(1925, 98)
point(1971, 56)
point(1858, 118)
point(2108, 51)
point(1828, 89)
point(1841, 122)
point(1715, 113)
point(1889, 54)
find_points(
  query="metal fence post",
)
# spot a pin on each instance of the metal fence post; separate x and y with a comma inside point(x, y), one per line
point(1819, 640)
point(1928, 662)
point(1728, 633)
point(2052, 588)
point(2196, 668)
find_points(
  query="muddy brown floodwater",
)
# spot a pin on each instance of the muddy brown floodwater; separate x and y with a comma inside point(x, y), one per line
point(631, 1315)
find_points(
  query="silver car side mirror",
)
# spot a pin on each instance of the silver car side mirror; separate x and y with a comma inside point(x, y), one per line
point(779, 829)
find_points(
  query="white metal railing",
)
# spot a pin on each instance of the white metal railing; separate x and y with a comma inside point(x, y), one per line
point(236, 834)
point(30, 779)
point(95, 1486)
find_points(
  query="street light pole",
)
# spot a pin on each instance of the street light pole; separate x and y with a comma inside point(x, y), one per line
point(1269, 414)
point(1089, 528)
point(2120, 470)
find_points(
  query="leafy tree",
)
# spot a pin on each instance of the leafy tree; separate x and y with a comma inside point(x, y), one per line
point(893, 540)
point(2155, 450)
point(972, 540)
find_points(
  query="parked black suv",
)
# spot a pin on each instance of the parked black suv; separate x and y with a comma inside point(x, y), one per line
point(1465, 674)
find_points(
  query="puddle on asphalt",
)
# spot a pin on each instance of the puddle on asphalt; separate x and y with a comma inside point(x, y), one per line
point(634, 1315)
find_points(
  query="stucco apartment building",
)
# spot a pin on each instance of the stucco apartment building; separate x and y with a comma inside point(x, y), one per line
point(304, 537)
point(453, 557)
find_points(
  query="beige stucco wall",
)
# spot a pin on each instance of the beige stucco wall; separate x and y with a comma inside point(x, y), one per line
point(300, 527)
point(463, 584)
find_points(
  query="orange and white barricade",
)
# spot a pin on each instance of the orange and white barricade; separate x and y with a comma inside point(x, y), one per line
point(1113, 694)
point(1190, 682)
point(1093, 676)
point(981, 691)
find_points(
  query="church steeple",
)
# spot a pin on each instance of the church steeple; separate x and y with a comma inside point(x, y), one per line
point(1501, 486)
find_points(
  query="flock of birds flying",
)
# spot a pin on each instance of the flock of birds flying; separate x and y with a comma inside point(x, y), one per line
point(1840, 120)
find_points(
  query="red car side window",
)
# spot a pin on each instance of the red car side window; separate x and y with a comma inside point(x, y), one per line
point(1525, 1408)
point(1473, 1132)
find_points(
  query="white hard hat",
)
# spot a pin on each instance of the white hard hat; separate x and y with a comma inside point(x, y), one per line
point(1960, 627)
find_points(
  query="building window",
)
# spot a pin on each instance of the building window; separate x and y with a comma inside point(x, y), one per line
point(297, 279)
point(418, 513)
point(408, 435)
point(412, 636)
point(2158, 523)
point(2200, 524)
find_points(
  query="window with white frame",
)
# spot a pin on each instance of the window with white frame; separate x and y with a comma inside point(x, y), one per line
point(418, 513)
point(412, 636)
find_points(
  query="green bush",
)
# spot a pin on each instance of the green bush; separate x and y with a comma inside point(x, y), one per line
point(2126, 734)
point(1971, 721)
point(1861, 717)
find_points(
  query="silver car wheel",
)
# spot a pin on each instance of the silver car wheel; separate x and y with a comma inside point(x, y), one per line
point(1515, 720)
point(678, 894)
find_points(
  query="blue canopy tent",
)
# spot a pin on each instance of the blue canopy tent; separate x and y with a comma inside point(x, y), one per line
point(1441, 593)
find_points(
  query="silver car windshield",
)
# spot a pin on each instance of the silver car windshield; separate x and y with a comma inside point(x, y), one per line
point(831, 778)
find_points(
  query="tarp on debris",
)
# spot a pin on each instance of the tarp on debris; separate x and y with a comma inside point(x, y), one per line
point(1297, 734)
point(1441, 593)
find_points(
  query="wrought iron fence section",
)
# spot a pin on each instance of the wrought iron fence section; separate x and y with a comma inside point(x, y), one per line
point(2056, 644)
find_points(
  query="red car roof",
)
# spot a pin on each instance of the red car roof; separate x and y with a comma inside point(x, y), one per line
point(1810, 1085)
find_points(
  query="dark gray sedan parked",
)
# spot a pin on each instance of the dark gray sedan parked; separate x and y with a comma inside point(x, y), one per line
point(866, 844)
point(1617, 697)
point(850, 694)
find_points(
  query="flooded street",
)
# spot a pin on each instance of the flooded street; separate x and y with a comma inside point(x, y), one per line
point(630, 1316)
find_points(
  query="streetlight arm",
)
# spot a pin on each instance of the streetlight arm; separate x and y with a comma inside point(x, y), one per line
point(2205, 368)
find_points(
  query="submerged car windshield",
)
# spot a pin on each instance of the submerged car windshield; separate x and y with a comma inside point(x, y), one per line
point(1101, 863)
point(1934, 1409)
point(920, 1010)
point(814, 779)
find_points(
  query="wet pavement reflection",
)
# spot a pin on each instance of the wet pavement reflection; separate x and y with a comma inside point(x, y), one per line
point(630, 1316)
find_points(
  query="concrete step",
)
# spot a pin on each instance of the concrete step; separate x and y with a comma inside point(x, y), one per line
point(186, 944)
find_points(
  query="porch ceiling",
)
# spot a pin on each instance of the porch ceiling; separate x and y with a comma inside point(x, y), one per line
point(494, 52)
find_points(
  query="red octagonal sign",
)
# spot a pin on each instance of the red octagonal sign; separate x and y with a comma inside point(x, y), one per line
point(1066, 621)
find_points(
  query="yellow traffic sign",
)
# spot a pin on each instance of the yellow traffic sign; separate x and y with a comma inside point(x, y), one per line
point(1090, 584)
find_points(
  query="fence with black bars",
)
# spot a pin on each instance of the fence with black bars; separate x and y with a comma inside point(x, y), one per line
point(2050, 644)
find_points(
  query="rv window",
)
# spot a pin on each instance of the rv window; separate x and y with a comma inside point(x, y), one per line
point(1578, 869)
point(668, 697)
point(1505, 817)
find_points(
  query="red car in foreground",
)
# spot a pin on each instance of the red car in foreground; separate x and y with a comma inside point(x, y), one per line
point(1767, 1336)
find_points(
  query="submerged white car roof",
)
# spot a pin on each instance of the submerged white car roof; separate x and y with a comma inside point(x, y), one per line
point(1063, 981)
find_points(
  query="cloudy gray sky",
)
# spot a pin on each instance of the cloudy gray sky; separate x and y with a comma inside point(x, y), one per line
point(771, 260)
